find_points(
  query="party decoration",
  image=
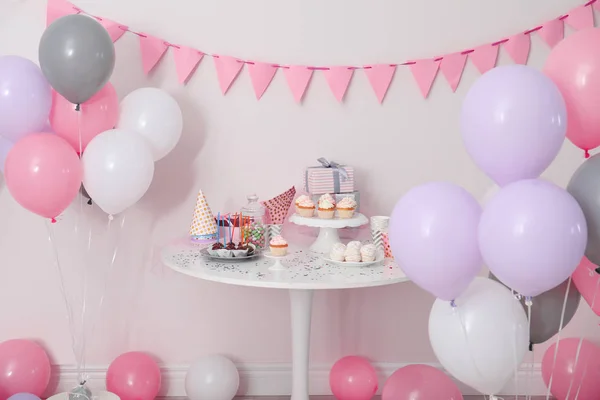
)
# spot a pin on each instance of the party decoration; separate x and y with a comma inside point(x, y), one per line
point(43, 174)
point(574, 67)
point(353, 378)
point(547, 313)
point(77, 57)
point(212, 377)
point(420, 382)
point(114, 29)
point(519, 231)
point(95, 116)
point(5, 146)
point(587, 280)
point(482, 339)
point(156, 116)
point(186, 61)
point(338, 79)
point(574, 370)
point(57, 9)
point(380, 77)
point(533, 117)
point(24, 396)
point(203, 227)
point(584, 186)
point(261, 75)
point(279, 205)
point(483, 56)
point(117, 170)
point(152, 50)
point(25, 98)
point(133, 376)
point(433, 235)
point(24, 368)
point(553, 32)
point(424, 72)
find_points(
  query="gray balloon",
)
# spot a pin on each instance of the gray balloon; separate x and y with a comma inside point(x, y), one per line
point(546, 310)
point(585, 187)
point(77, 56)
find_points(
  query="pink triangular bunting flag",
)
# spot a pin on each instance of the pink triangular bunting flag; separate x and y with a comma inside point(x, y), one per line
point(152, 51)
point(552, 32)
point(114, 29)
point(58, 8)
point(298, 77)
point(338, 79)
point(484, 57)
point(424, 72)
point(597, 5)
point(581, 17)
point(380, 76)
point(518, 48)
point(452, 66)
point(228, 69)
point(261, 75)
point(186, 61)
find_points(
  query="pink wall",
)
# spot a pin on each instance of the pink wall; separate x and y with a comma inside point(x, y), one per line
point(405, 142)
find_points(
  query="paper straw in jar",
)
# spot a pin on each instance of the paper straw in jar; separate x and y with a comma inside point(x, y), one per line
point(233, 228)
point(218, 227)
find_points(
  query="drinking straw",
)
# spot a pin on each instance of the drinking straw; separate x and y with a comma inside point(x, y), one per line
point(233, 229)
point(218, 228)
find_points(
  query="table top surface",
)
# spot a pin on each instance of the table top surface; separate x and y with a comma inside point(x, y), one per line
point(303, 270)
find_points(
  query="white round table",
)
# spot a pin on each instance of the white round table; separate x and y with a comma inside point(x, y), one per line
point(303, 273)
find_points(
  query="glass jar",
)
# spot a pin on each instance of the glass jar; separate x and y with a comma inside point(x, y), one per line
point(253, 222)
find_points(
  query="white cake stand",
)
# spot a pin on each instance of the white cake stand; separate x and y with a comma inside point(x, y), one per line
point(328, 235)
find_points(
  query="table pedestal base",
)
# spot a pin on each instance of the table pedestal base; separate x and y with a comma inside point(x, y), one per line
point(301, 309)
point(325, 241)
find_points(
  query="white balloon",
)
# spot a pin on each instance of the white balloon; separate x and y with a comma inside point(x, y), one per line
point(117, 169)
point(212, 377)
point(155, 115)
point(484, 339)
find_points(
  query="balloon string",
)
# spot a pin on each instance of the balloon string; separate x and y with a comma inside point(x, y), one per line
point(82, 376)
point(560, 328)
point(465, 334)
point(62, 285)
point(515, 358)
point(580, 343)
point(530, 376)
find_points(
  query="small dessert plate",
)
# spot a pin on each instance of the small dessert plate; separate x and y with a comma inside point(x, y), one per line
point(205, 253)
point(378, 259)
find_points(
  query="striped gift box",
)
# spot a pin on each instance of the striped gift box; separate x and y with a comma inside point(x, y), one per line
point(321, 180)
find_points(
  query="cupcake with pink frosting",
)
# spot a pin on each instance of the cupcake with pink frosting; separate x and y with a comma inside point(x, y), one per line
point(278, 246)
point(346, 207)
point(326, 207)
point(305, 207)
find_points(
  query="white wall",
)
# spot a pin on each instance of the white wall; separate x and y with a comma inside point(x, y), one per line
point(404, 142)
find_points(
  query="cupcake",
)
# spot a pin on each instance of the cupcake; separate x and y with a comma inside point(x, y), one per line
point(352, 254)
point(326, 207)
point(346, 207)
point(337, 252)
point(278, 246)
point(305, 206)
point(368, 252)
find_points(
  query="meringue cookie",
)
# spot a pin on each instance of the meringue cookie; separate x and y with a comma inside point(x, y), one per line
point(337, 252)
point(368, 252)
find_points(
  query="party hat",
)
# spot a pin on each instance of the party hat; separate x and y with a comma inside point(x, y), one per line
point(203, 227)
point(279, 205)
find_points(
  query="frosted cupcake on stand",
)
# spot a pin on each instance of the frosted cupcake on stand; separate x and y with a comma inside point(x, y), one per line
point(346, 207)
point(305, 207)
point(278, 246)
point(326, 208)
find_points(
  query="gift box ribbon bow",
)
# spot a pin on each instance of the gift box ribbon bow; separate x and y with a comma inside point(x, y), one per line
point(337, 167)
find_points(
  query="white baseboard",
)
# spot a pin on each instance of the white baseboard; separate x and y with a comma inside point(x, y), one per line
point(276, 379)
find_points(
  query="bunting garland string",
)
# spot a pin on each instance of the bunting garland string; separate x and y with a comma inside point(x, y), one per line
point(380, 76)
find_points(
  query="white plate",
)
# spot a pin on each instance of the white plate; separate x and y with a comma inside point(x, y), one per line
point(378, 259)
point(205, 253)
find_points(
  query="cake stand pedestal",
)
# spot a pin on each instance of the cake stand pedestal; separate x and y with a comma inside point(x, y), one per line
point(328, 234)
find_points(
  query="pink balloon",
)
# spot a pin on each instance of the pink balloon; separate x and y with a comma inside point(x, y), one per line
point(98, 114)
point(587, 281)
point(43, 174)
point(24, 367)
point(574, 66)
point(433, 235)
point(420, 382)
point(353, 378)
point(532, 235)
point(133, 376)
point(572, 380)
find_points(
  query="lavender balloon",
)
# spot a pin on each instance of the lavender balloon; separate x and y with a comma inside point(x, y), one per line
point(513, 123)
point(25, 98)
point(23, 396)
point(532, 236)
point(433, 235)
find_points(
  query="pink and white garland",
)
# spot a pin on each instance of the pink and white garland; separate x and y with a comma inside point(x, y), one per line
point(338, 78)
